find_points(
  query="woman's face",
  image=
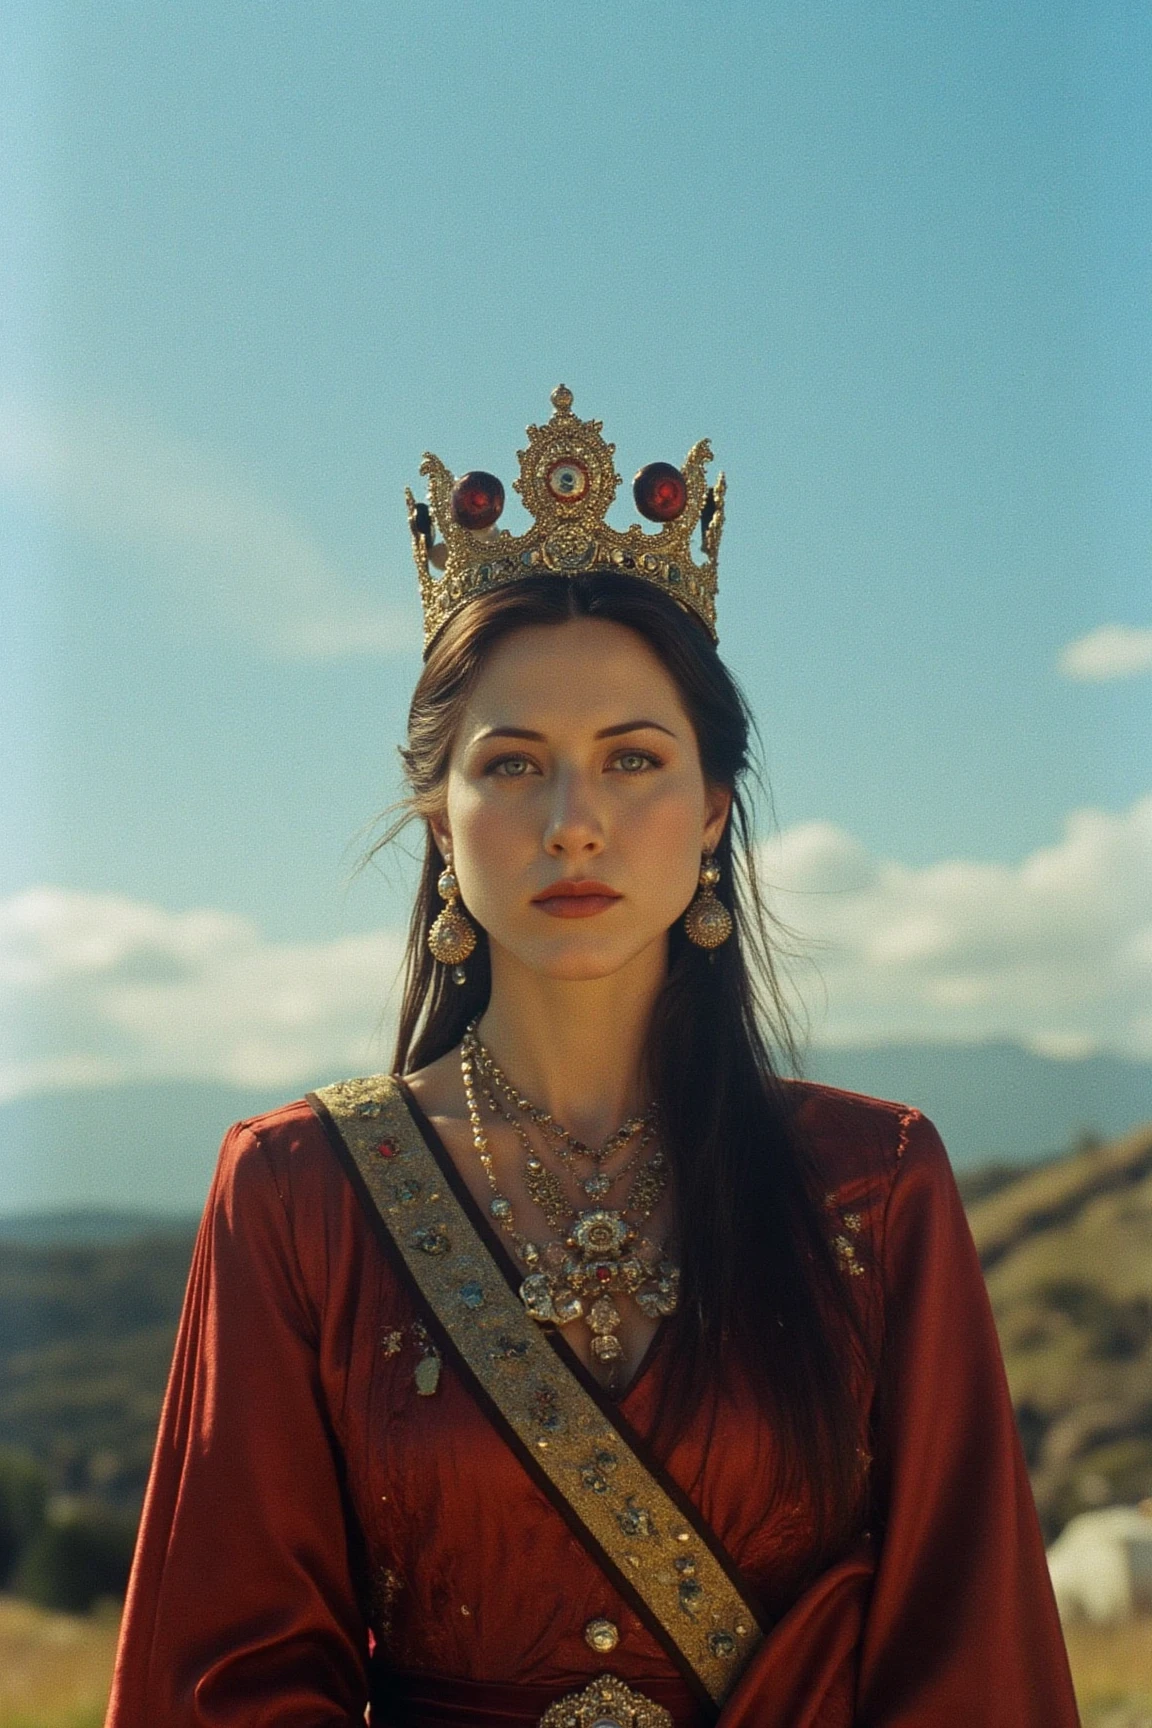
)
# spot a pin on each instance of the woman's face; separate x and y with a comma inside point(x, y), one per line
point(576, 763)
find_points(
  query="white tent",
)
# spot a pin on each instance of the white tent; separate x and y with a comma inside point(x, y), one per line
point(1101, 1564)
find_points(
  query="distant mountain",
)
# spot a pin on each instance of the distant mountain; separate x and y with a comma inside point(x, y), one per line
point(153, 1148)
point(145, 1148)
point(93, 1227)
point(998, 1103)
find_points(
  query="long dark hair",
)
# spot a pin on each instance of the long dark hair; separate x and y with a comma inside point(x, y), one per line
point(762, 1298)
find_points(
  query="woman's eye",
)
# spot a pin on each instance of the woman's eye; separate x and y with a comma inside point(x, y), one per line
point(635, 761)
point(510, 767)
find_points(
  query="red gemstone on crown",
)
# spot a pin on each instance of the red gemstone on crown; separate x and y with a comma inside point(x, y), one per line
point(603, 1273)
point(388, 1149)
point(660, 491)
point(477, 500)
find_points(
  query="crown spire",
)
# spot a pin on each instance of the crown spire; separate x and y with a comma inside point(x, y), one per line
point(567, 483)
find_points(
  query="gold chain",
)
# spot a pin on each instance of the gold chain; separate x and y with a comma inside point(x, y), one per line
point(601, 1254)
point(569, 1146)
point(544, 1186)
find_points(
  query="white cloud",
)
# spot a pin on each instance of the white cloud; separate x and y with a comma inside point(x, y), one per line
point(211, 542)
point(1054, 952)
point(96, 989)
point(1110, 651)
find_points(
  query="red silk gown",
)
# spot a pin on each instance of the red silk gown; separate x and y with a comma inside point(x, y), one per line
point(317, 1533)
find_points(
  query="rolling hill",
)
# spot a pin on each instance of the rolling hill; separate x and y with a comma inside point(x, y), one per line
point(1067, 1253)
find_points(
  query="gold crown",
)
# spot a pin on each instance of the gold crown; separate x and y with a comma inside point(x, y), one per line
point(567, 482)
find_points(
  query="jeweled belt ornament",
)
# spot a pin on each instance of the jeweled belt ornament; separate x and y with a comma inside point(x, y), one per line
point(606, 1703)
point(567, 483)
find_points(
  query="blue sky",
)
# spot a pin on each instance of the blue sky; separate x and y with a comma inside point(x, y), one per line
point(893, 260)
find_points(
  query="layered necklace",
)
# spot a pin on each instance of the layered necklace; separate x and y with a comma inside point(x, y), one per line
point(598, 1254)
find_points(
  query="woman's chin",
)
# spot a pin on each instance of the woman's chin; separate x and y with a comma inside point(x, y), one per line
point(574, 957)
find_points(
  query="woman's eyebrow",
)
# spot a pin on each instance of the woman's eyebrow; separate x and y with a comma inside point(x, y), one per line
point(606, 732)
point(635, 726)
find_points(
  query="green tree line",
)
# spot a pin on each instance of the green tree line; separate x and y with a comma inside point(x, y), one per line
point(86, 1335)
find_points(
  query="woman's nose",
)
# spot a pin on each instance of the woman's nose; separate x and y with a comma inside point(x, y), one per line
point(573, 824)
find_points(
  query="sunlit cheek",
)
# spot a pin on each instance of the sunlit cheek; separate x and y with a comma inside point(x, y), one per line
point(494, 841)
point(666, 829)
point(674, 809)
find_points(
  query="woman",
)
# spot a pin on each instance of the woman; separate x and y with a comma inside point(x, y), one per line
point(588, 1373)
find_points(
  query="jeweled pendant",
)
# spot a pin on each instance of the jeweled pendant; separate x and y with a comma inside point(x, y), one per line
point(596, 1186)
point(606, 1347)
point(600, 1233)
point(604, 1316)
point(567, 1306)
point(537, 1298)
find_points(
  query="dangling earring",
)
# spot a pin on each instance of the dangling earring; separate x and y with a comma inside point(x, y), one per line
point(453, 936)
point(708, 921)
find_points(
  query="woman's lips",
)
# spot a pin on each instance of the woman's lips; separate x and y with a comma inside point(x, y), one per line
point(576, 899)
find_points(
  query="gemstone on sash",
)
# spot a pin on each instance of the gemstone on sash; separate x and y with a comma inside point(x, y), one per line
point(634, 1520)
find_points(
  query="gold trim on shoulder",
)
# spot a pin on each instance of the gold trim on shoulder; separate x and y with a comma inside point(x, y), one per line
point(628, 1516)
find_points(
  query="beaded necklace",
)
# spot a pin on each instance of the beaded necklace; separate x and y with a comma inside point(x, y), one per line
point(600, 1254)
point(543, 1186)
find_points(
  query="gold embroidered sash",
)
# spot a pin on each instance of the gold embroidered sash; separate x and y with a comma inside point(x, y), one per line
point(644, 1535)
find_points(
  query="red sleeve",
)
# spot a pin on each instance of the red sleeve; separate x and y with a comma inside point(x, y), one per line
point(241, 1607)
point(962, 1625)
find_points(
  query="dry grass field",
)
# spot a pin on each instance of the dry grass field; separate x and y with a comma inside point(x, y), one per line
point(1112, 1668)
point(54, 1669)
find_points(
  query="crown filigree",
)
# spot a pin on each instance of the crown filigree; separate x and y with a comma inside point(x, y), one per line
point(568, 481)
